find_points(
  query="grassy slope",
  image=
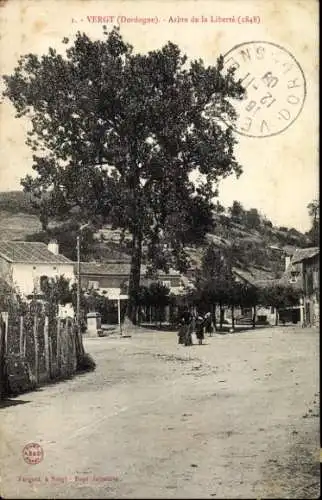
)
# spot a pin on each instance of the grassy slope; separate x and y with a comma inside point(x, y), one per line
point(17, 220)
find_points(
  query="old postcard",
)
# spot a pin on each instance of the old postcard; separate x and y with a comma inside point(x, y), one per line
point(159, 249)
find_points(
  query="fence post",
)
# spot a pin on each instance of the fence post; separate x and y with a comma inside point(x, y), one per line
point(21, 339)
point(35, 331)
point(2, 355)
point(58, 356)
point(46, 345)
point(5, 317)
point(74, 333)
point(51, 371)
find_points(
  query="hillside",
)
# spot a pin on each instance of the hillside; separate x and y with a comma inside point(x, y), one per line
point(254, 242)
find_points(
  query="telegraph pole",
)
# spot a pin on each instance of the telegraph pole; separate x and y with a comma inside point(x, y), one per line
point(78, 318)
point(78, 288)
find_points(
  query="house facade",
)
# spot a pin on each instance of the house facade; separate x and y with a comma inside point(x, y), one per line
point(23, 265)
point(302, 272)
point(259, 279)
point(308, 261)
point(111, 278)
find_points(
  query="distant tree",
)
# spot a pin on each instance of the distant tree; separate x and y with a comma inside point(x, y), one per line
point(156, 296)
point(314, 213)
point(280, 297)
point(56, 291)
point(252, 218)
point(249, 296)
point(66, 235)
point(120, 135)
point(267, 223)
point(237, 211)
point(16, 202)
point(215, 281)
point(219, 208)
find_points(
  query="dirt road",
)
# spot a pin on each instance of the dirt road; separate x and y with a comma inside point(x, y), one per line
point(235, 418)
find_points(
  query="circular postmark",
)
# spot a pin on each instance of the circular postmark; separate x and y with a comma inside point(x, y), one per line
point(275, 88)
point(33, 453)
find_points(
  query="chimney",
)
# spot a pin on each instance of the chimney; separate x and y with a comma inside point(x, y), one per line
point(53, 247)
point(287, 261)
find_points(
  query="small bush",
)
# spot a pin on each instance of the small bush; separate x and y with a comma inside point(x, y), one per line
point(86, 363)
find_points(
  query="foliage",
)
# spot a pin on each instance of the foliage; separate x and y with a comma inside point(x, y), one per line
point(156, 294)
point(215, 281)
point(120, 136)
point(16, 202)
point(253, 219)
point(247, 252)
point(56, 290)
point(280, 296)
point(314, 213)
point(237, 211)
point(66, 235)
point(85, 363)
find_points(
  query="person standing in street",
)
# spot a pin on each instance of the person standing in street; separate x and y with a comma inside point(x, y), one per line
point(185, 328)
point(208, 324)
point(200, 328)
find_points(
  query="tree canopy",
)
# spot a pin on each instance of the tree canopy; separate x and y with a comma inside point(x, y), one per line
point(314, 213)
point(117, 135)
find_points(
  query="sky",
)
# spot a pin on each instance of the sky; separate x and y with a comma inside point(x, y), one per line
point(280, 173)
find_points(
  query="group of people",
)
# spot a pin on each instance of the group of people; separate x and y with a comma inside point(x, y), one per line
point(190, 323)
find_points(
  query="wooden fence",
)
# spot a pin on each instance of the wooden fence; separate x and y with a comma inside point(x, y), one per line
point(35, 348)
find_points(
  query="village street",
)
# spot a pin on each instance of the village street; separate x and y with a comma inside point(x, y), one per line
point(235, 418)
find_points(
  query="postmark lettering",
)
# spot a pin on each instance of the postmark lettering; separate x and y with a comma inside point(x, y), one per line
point(275, 88)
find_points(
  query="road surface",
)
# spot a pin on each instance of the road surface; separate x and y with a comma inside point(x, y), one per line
point(235, 418)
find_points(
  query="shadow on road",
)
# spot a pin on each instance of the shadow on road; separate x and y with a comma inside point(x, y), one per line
point(4, 403)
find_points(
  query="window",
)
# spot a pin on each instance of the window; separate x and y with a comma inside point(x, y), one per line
point(94, 285)
point(294, 276)
point(43, 283)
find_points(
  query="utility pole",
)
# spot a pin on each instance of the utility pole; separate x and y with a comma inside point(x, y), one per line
point(78, 288)
point(78, 318)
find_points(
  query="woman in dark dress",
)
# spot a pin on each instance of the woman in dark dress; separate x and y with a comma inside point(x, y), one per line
point(199, 329)
point(208, 324)
point(184, 334)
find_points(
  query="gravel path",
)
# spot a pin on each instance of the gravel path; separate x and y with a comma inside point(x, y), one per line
point(235, 418)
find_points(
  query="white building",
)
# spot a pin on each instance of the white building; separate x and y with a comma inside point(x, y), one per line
point(24, 264)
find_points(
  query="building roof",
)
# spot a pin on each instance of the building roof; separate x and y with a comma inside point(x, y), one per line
point(105, 268)
point(115, 267)
point(255, 276)
point(304, 254)
point(27, 252)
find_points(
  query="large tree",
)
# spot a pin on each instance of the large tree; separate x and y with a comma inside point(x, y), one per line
point(117, 135)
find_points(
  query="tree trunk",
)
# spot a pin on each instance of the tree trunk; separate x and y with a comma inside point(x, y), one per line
point(2, 356)
point(233, 317)
point(254, 316)
point(80, 351)
point(134, 279)
point(213, 316)
point(276, 317)
point(221, 318)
